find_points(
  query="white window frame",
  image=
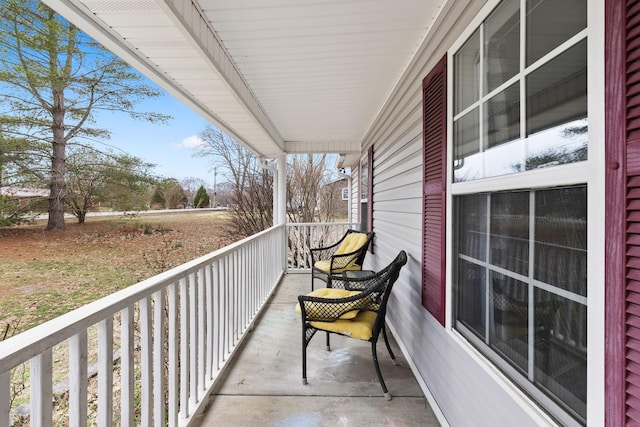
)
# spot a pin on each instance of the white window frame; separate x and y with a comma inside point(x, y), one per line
point(590, 172)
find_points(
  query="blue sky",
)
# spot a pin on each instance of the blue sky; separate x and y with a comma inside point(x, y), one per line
point(169, 146)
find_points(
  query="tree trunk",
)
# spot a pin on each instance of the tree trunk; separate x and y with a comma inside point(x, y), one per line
point(58, 167)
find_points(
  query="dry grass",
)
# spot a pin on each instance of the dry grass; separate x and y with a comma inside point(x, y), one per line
point(45, 274)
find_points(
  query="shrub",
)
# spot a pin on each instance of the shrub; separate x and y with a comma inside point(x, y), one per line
point(201, 199)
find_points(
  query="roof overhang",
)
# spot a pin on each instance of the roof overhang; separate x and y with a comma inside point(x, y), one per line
point(279, 76)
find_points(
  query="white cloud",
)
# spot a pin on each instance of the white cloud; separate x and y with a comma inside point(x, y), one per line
point(193, 141)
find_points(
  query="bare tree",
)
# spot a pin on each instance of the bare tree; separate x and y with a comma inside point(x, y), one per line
point(190, 186)
point(95, 178)
point(250, 185)
point(174, 194)
point(304, 180)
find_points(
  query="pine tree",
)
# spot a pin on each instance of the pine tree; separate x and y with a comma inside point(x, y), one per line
point(54, 79)
point(201, 199)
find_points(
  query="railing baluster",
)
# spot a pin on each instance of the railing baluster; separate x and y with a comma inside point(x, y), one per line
point(5, 407)
point(236, 299)
point(255, 279)
point(193, 339)
point(209, 320)
point(146, 367)
point(173, 356)
point(126, 367)
point(41, 389)
point(201, 332)
point(233, 286)
point(215, 321)
point(105, 372)
point(184, 348)
point(244, 297)
point(226, 314)
point(78, 380)
point(158, 358)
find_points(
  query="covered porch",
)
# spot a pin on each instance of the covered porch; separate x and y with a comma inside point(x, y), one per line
point(215, 341)
point(262, 385)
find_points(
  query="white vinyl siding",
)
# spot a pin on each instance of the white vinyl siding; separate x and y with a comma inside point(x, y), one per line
point(464, 386)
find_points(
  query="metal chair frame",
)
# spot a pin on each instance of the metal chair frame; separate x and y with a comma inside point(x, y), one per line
point(375, 290)
point(340, 261)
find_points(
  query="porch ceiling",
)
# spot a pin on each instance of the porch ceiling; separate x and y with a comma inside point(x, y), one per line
point(280, 76)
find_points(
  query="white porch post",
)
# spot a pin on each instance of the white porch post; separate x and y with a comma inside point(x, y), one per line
point(280, 192)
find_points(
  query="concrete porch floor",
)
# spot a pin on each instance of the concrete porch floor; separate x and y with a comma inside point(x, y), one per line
point(263, 387)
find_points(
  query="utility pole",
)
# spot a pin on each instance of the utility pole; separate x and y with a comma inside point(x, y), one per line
point(215, 187)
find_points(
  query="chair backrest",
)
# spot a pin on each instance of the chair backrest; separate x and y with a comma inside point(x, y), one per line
point(352, 242)
point(356, 242)
point(389, 275)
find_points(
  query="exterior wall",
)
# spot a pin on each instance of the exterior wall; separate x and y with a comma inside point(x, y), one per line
point(466, 388)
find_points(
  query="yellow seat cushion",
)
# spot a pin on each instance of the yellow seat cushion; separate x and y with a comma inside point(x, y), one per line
point(325, 265)
point(315, 309)
point(360, 327)
point(351, 243)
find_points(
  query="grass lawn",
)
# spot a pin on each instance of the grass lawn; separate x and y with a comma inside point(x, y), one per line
point(44, 274)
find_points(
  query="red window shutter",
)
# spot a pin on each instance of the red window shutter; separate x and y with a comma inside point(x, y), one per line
point(434, 101)
point(622, 246)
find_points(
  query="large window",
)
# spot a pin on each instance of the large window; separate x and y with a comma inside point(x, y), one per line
point(521, 105)
point(520, 254)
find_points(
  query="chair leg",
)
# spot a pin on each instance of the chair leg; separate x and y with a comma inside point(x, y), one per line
point(304, 354)
point(328, 345)
point(387, 395)
point(386, 342)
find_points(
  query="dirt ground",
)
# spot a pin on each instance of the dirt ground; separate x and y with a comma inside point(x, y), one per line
point(44, 274)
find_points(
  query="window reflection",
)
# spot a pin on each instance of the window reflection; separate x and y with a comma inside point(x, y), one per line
point(509, 238)
point(467, 73)
point(557, 91)
point(466, 135)
point(561, 353)
point(566, 143)
point(509, 320)
point(502, 116)
point(552, 22)
point(561, 239)
point(502, 44)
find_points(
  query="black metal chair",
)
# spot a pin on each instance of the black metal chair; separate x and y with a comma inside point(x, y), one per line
point(353, 307)
point(346, 254)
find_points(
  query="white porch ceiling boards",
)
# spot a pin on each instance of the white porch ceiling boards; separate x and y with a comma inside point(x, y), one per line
point(278, 75)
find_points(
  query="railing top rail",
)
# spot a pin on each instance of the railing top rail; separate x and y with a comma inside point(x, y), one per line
point(34, 341)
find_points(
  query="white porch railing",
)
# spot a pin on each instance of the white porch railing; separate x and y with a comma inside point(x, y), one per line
point(302, 236)
point(172, 334)
point(177, 332)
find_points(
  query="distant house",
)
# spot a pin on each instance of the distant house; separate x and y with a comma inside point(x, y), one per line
point(337, 197)
point(23, 196)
